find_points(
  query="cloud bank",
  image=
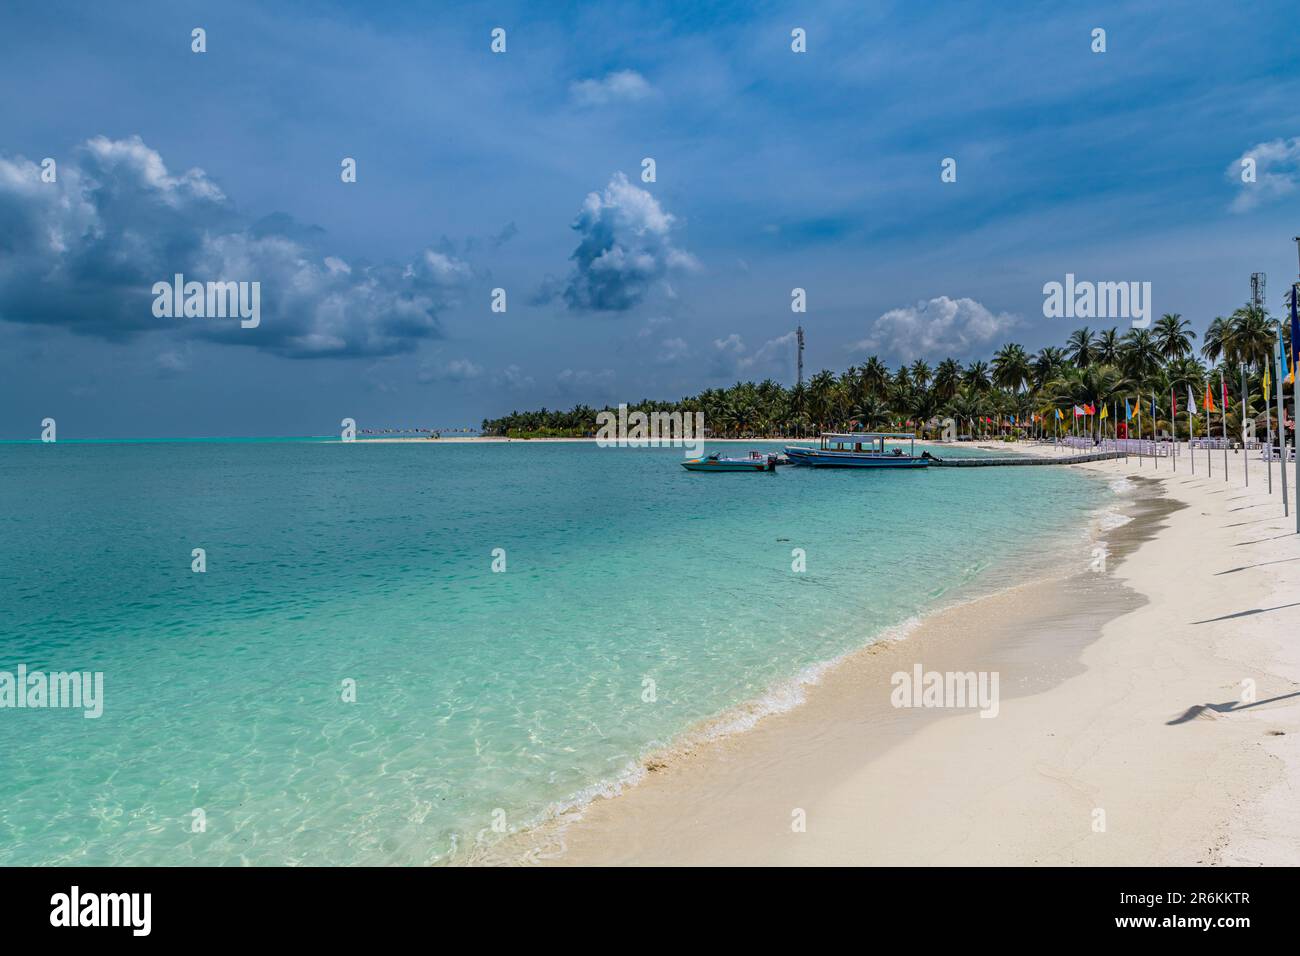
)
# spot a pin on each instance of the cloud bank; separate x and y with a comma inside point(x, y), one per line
point(940, 326)
point(84, 251)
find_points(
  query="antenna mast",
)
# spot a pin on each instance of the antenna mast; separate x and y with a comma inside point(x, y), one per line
point(799, 335)
point(1257, 280)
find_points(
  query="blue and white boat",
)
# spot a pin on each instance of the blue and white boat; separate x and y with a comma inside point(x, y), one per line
point(858, 450)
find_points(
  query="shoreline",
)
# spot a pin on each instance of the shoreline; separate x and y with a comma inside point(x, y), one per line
point(1094, 717)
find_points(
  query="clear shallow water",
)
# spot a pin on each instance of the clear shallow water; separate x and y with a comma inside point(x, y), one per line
point(475, 690)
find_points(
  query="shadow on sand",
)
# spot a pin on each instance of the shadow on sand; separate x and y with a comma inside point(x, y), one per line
point(1197, 709)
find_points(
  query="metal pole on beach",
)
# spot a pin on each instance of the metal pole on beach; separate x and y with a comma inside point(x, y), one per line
point(1155, 444)
point(1268, 423)
point(1223, 418)
point(1245, 457)
point(1282, 424)
point(1173, 423)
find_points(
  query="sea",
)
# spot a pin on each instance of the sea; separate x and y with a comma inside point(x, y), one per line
point(319, 652)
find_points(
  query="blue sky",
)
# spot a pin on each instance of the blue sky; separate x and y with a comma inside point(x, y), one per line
point(522, 171)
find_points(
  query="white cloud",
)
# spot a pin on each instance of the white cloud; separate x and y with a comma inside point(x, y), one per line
point(625, 250)
point(456, 370)
point(671, 350)
point(512, 376)
point(625, 86)
point(940, 326)
point(775, 357)
point(569, 379)
point(1277, 173)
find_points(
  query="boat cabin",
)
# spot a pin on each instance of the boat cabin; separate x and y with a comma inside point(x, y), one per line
point(867, 443)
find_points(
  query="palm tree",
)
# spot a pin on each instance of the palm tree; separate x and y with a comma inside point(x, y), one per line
point(947, 379)
point(1047, 362)
point(1249, 339)
point(1106, 350)
point(1173, 335)
point(977, 376)
point(1079, 347)
point(1011, 367)
point(1096, 385)
point(821, 398)
point(921, 373)
point(1139, 357)
point(871, 413)
point(1216, 337)
point(874, 375)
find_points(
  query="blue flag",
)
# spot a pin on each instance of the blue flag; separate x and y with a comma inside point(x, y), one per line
point(1128, 412)
point(1295, 325)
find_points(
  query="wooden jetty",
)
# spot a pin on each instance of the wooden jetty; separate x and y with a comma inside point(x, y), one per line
point(1026, 460)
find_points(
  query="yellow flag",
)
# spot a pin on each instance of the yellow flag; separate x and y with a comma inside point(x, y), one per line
point(1266, 380)
point(1104, 412)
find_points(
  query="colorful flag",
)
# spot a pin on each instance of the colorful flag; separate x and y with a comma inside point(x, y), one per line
point(1267, 381)
point(1059, 416)
point(1155, 412)
point(1128, 411)
point(1208, 405)
point(1173, 405)
point(1104, 413)
point(1223, 392)
point(1079, 412)
point(1191, 401)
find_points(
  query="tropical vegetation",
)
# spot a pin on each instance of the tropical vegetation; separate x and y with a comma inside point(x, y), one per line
point(1010, 393)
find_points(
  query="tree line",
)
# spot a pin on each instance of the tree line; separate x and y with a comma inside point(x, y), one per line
point(1099, 368)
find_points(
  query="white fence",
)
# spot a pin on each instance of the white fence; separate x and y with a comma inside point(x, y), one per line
point(1152, 448)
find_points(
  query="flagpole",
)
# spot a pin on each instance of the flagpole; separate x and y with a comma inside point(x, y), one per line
point(1245, 456)
point(1155, 443)
point(1268, 424)
point(1281, 419)
point(1173, 423)
point(1139, 402)
point(1191, 433)
point(1223, 418)
point(1295, 389)
point(1209, 454)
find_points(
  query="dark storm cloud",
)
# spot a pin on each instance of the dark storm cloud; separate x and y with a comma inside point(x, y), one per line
point(83, 253)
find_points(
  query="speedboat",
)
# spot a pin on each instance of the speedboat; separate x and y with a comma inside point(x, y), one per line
point(757, 461)
point(858, 450)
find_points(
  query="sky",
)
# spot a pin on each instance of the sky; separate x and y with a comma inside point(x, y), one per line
point(523, 171)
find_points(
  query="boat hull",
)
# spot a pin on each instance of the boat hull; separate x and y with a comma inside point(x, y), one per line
point(703, 464)
point(815, 458)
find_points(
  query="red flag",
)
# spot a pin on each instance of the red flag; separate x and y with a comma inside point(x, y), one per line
point(1208, 405)
point(1173, 404)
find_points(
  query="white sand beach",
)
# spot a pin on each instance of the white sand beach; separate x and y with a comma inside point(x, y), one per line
point(1125, 734)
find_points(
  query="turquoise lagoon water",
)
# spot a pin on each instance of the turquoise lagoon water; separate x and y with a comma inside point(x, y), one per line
point(476, 690)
